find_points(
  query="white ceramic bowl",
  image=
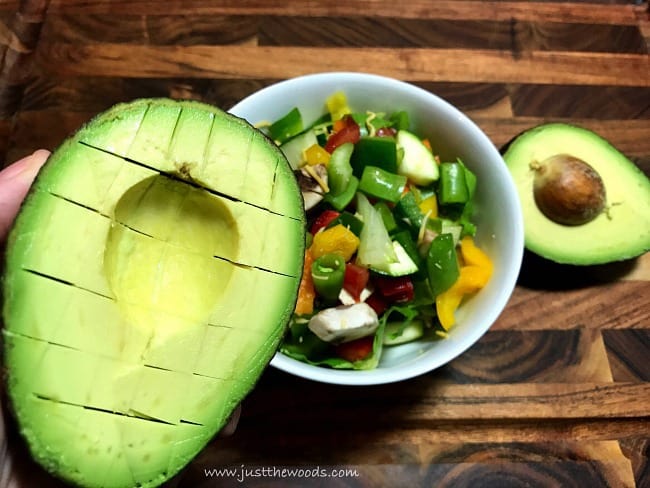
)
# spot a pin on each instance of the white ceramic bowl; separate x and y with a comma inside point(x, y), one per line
point(452, 134)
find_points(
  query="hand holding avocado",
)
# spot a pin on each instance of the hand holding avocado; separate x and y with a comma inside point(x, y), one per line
point(147, 281)
point(15, 181)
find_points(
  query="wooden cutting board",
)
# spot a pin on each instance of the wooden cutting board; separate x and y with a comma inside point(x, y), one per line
point(557, 393)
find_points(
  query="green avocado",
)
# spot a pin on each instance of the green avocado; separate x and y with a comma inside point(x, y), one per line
point(148, 281)
point(583, 201)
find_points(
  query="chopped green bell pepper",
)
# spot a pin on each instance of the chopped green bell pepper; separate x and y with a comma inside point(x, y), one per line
point(342, 200)
point(382, 184)
point(328, 272)
point(339, 170)
point(380, 152)
point(288, 126)
point(442, 263)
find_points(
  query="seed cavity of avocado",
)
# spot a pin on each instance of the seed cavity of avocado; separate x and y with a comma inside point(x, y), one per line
point(567, 190)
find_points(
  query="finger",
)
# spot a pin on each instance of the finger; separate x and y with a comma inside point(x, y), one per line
point(15, 181)
point(231, 425)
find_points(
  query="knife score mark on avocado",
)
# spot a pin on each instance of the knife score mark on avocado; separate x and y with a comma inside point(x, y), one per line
point(185, 177)
point(111, 397)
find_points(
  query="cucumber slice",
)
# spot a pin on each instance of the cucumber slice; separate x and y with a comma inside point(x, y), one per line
point(395, 333)
point(418, 164)
point(402, 267)
point(294, 148)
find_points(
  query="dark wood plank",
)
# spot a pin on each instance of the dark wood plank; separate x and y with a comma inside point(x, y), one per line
point(637, 449)
point(589, 307)
point(568, 36)
point(384, 32)
point(620, 12)
point(629, 353)
point(584, 102)
point(443, 33)
point(79, 94)
point(139, 61)
point(546, 356)
point(177, 29)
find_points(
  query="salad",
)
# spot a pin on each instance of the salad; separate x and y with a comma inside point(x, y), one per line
point(390, 252)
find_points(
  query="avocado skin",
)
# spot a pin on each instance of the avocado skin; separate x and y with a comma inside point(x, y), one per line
point(620, 232)
point(67, 453)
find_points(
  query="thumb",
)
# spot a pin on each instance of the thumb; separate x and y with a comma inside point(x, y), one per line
point(15, 181)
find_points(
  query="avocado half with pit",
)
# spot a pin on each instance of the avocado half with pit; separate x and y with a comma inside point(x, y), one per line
point(149, 278)
point(583, 201)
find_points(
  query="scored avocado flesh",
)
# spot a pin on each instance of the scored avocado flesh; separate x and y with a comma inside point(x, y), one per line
point(149, 278)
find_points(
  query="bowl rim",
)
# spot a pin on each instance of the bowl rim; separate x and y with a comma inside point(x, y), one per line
point(415, 366)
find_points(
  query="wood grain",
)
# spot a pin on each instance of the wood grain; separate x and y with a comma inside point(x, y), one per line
point(607, 12)
point(572, 68)
point(557, 392)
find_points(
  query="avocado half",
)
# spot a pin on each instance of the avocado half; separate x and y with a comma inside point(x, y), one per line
point(621, 230)
point(149, 278)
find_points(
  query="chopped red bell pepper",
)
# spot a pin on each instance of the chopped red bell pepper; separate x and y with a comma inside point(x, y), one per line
point(323, 220)
point(398, 289)
point(349, 133)
point(356, 279)
point(355, 350)
point(386, 132)
point(377, 303)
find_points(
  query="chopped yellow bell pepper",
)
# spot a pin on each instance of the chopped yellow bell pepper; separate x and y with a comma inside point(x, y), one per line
point(474, 275)
point(338, 239)
point(446, 304)
point(337, 105)
point(429, 204)
point(316, 155)
point(472, 255)
point(306, 291)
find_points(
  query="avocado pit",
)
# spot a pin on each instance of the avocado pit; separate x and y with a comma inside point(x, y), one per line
point(567, 190)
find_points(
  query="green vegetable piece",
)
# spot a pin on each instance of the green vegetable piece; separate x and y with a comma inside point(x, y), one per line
point(294, 148)
point(417, 162)
point(378, 122)
point(402, 266)
point(346, 219)
point(375, 246)
point(387, 216)
point(301, 343)
point(328, 272)
point(470, 179)
point(339, 202)
point(380, 152)
point(469, 228)
point(288, 126)
point(442, 263)
point(407, 242)
point(360, 119)
point(453, 184)
point(321, 122)
point(339, 170)
point(407, 208)
point(397, 333)
point(379, 183)
point(400, 120)
point(312, 350)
